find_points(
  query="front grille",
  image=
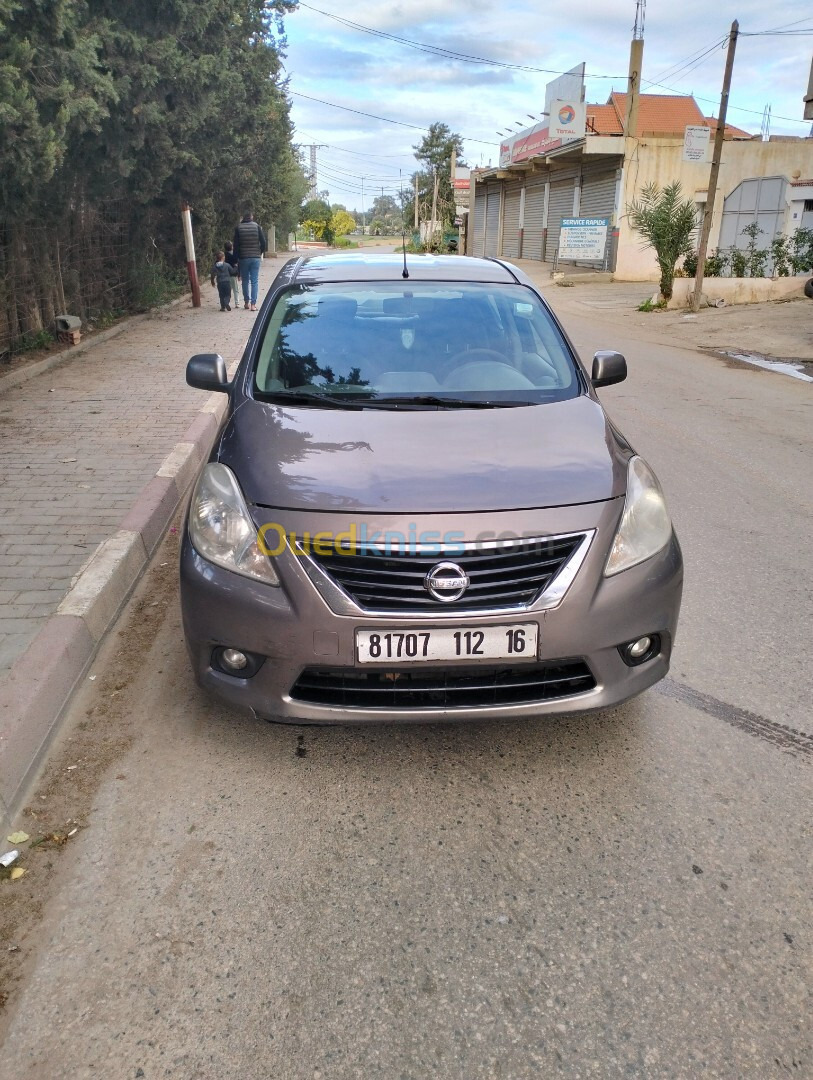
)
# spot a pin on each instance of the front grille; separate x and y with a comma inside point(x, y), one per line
point(511, 575)
point(443, 688)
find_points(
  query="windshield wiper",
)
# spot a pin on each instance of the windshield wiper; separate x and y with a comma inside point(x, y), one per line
point(359, 401)
point(445, 402)
point(324, 401)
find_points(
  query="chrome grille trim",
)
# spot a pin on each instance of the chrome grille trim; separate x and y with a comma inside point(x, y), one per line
point(341, 602)
point(488, 686)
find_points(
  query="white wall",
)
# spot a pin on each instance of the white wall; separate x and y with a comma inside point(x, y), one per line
point(659, 160)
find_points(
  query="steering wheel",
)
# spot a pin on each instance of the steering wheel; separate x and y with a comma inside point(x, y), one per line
point(469, 356)
point(476, 356)
point(479, 361)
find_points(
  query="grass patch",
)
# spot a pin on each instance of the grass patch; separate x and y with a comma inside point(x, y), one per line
point(659, 305)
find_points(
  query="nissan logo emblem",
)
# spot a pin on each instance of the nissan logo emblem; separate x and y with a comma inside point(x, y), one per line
point(446, 581)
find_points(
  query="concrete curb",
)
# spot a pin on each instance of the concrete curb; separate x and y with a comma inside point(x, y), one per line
point(13, 379)
point(35, 693)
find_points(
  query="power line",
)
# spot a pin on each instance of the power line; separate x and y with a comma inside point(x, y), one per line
point(806, 31)
point(679, 65)
point(438, 50)
point(739, 108)
point(356, 153)
point(386, 120)
point(784, 26)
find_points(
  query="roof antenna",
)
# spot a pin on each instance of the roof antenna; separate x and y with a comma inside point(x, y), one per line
point(404, 272)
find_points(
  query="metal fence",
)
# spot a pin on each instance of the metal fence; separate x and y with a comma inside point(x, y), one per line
point(78, 267)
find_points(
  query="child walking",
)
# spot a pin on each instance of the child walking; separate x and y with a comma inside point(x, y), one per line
point(232, 260)
point(222, 274)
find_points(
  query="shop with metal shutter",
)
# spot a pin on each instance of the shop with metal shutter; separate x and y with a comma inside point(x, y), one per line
point(479, 232)
point(510, 223)
point(492, 219)
point(560, 205)
point(534, 228)
point(597, 200)
point(598, 195)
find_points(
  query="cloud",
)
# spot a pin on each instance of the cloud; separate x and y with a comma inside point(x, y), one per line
point(377, 75)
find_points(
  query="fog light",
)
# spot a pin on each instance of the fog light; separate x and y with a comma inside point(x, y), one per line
point(638, 648)
point(235, 662)
point(234, 659)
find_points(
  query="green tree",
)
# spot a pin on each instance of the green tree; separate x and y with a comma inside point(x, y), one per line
point(114, 111)
point(386, 214)
point(434, 152)
point(316, 216)
point(342, 223)
point(53, 88)
point(667, 223)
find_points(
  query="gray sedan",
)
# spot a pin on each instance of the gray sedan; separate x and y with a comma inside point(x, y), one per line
point(417, 509)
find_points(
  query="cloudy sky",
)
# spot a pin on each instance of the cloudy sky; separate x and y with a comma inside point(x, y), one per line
point(340, 63)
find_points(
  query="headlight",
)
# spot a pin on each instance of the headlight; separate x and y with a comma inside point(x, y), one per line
point(221, 529)
point(645, 525)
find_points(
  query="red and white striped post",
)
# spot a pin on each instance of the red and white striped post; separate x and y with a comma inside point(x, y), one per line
point(191, 266)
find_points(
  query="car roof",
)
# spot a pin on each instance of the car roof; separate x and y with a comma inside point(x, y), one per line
point(364, 266)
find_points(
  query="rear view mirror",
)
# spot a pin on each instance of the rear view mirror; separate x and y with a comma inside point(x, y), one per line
point(608, 368)
point(207, 371)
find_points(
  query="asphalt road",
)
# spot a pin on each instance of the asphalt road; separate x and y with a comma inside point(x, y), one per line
point(626, 894)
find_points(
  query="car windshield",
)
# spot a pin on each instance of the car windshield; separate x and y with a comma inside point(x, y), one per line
point(424, 344)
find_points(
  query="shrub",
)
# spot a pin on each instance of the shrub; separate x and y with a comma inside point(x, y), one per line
point(739, 262)
point(153, 283)
point(716, 263)
point(667, 223)
point(756, 257)
point(801, 251)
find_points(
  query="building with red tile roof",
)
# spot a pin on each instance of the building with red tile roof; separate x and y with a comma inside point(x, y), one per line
point(658, 114)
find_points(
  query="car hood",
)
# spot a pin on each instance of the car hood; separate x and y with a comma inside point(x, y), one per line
point(424, 460)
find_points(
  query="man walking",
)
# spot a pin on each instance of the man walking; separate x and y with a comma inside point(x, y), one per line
point(249, 245)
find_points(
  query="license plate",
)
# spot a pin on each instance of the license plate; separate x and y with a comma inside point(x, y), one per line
point(516, 642)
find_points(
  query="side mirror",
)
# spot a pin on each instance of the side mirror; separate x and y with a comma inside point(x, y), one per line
point(207, 371)
point(608, 368)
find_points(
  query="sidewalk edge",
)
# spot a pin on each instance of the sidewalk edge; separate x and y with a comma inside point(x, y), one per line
point(35, 692)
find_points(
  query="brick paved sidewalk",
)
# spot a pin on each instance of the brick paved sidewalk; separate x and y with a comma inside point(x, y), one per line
point(79, 443)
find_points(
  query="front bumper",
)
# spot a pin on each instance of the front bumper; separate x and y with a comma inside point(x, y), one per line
point(295, 630)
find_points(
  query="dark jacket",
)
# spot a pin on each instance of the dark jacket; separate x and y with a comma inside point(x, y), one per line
point(249, 240)
point(222, 273)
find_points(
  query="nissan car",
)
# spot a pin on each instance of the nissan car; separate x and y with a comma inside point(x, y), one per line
point(416, 508)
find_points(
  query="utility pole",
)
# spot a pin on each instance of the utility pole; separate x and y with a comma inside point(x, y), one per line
point(716, 157)
point(191, 265)
point(416, 202)
point(363, 219)
point(434, 201)
point(452, 170)
point(636, 65)
point(313, 187)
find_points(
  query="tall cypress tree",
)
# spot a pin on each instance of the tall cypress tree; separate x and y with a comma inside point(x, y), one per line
point(112, 113)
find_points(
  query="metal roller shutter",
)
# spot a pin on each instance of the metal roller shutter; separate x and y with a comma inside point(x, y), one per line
point(510, 223)
point(560, 205)
point(479, 238)
point(598, 200)
point(598, 195)
point(534, 222)
point(492, 220)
